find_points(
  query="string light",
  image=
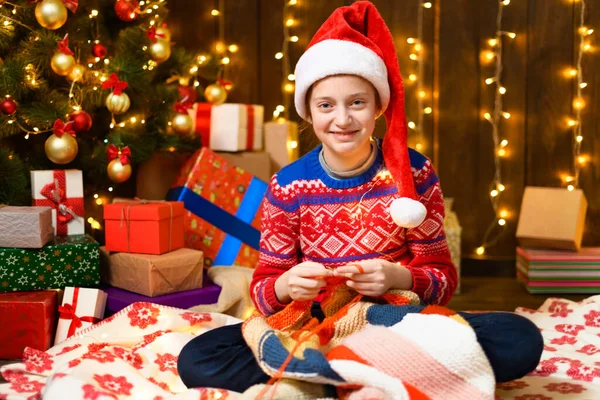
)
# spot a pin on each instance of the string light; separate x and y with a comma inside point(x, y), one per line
point(493, 234)
point(287, 85)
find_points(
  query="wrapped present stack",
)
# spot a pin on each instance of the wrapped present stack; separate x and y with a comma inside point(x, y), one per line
point(144, 258)
point(550, 258)
point(43, 252)
point(453, 237)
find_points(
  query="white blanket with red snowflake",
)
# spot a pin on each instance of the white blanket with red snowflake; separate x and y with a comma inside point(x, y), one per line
point(570, 364)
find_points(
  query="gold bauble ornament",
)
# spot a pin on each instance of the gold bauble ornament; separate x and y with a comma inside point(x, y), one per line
point(165, 32)
point(117, 172)
point(182, 123)
point(215, 94)
point(61, 150)
point(77, 73)
point(51, 14)
point(62, 63)
point(118, 103)
point(160, 51)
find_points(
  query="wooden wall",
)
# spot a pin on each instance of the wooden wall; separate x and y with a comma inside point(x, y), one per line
point(457, 138)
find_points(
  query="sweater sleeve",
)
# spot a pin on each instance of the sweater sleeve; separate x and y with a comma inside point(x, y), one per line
point(279, 246)
point(434, 274)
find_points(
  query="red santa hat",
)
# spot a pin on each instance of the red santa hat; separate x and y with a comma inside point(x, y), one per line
point(355, 40)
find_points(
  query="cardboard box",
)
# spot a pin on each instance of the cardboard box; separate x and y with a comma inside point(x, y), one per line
point(154, 275)
point(63, 191)
point(28, 320)
point(552, 218)
point(156, 176)
point(223, 204)
point(281, 142)
point(257, 163)
point(229, 127)
point(25, 227)
point(144, 227)
point(80, 309)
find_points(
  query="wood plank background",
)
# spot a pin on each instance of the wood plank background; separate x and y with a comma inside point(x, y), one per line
point(456, 137)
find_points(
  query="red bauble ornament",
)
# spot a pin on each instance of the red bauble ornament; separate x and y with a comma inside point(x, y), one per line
point(125, 9)
point(82, 122)
point(8, 106)
point(99, 50)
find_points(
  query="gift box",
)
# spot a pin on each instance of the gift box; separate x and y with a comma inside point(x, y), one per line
point(153, 275)
point(281, 142)
point(555, 271)
point(552, 218)
point(118, 299)
point(25, 227)
point(63, 191)
point(229, 127)
point(148, 227)
point(222, 205)
point(28, 320)
point(80, 309)
point(257, 163)
point(66, 260)
point(453, 237)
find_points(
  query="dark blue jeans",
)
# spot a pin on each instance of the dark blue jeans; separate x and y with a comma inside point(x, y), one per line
point(221, 358)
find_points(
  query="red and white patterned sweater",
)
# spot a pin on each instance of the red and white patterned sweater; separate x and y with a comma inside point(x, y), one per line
point(309, 216)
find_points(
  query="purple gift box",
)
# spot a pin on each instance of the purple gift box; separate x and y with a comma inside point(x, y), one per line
point(119, 298)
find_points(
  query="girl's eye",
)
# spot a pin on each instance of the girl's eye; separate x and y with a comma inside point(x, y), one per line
point(358, 102)
point(324, 105)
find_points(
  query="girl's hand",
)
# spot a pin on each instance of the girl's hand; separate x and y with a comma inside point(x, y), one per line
point(375, 277)
point(302, 282)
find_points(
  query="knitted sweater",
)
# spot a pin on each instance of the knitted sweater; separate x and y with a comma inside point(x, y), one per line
point(309, 216)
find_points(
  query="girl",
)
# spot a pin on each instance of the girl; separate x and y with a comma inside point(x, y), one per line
point(357, 208)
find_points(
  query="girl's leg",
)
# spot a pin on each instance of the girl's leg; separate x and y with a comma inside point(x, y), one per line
point(512, 344)
point(220, 358)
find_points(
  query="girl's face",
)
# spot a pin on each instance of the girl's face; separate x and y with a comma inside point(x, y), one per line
point(343, 110)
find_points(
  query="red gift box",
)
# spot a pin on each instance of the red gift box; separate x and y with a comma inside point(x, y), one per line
point(144, 227)
point(28, 320)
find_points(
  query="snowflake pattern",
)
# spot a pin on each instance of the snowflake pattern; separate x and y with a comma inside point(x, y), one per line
point(102, 356)
point(569, 329)
point(559, 309)
point(564, 340)
point(589, 349)
point(133, 359)
point(26, 386)
point(167, 362)
point(114, 384)
point(37, 361)
point(512, 385)
point(592, 319)
point(195, 318)
point(143, 315)
point(67, 349)
point(565, 387)
point(91, 392)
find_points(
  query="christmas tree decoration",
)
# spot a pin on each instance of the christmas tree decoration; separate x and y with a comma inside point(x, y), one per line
point(82, 122)
point(117, 102)
point(215, 94)
point(51, 14)
point(77, 73)
point(61, 147)
point(182, 122)
point(126, 9)
point(98, 50)
point(164, 33)
point(63, 61)
point(119, 168)
point(160, 51)
point(8, 106)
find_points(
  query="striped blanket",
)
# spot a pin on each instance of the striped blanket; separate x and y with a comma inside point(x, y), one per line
point(396, 349)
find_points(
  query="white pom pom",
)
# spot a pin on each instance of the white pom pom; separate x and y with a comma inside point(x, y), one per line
point(407, 213)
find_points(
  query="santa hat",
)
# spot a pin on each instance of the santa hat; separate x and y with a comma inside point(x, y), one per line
point(356, 41)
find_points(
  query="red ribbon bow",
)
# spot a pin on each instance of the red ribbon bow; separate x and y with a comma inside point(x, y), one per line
point(123, 154)
point(63, 206)
point(226, 84)
point(60, 128)
point(188, 95)
point(70, 4)
point(63, 46)
point(114, 82)
point(153, 36)
point(68, 312)
point(182, 106)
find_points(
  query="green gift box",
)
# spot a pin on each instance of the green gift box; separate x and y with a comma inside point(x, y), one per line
point(65, 261)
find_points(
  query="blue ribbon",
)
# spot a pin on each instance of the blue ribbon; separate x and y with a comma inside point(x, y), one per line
point(237, 227)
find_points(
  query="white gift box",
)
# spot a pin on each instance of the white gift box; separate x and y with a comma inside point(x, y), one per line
point(63, 191)
point(229, 127)
point(80, 309)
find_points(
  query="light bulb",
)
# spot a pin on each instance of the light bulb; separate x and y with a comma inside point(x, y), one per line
point(494, 193)
point(480, 250)
point(571, 188)
point(412, 125)
point(493, 42)
point(412, 77)
point(501, 222)
point(502, 90)
point(579, 138)
point(428, 110)
point(279, 55)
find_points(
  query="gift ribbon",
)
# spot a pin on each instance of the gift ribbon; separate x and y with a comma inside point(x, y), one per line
point(67, 312)
point(237, 227)
point(122, 154)
point(114, 83)
point(125, 217)
point(55, 194)
point(203, 116)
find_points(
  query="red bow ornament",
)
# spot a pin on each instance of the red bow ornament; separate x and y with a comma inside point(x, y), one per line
point(114, 83)
point(182, 106)
point(63, 46)
point(153, 36)
point(68, 312)
point(226, 84)
point(60, 128)
point(123, 154)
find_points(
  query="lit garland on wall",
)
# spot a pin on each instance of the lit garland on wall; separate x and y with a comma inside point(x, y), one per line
point(579, 103)
point(417, 55)
point(221, 47)
point(287, 85)
point(493, 233)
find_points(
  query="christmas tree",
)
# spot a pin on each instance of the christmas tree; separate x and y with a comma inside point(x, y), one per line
point(95, 86)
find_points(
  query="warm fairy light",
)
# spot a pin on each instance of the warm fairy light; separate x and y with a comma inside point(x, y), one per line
point(501, 187)
point(418, 47)
point(571, 123)
point(578, 103)
point(412, 125)
point(489, 81)
point(292, 2)
point(289, 87)
point(427, 5)
point(571, 188)
point(583, 85)
point(422, 94)
point(504, 143)
point(279, 55)
point(480, 250)
point(501, 152)
point(293, 144)
point(419, 146)
point(290, 22)
point(226, 60)
point(215, 13)
point(502, 90)
point(505, 2)
point(579, 139)
point(411, 40)
point(412, 77)
point(291, 77)
point(280, 108)
point(133, 120)
point(488, 116)
point(493, 42)
point(505, 115)
point(494, 193)
point(583, 160)
point(413, 57)
point(503, 214)
point(294, 39)
point(428, 110)
point(233, 48)
point(501, 222)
